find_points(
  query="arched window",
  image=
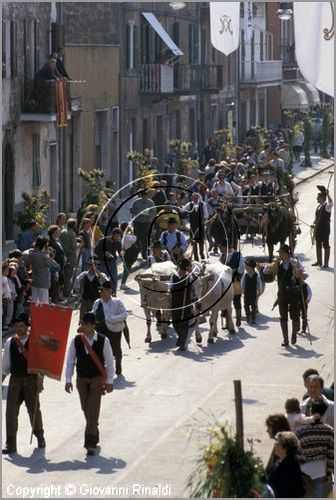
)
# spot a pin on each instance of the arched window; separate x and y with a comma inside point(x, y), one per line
point(8, 192)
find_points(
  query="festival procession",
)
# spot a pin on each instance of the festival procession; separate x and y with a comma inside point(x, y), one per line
point(167, 249)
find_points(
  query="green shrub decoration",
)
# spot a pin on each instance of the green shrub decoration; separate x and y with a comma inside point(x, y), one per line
point(36, 207)
point(225, 470)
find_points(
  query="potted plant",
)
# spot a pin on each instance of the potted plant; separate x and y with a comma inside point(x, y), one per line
point(225, 470)
point(35, 207)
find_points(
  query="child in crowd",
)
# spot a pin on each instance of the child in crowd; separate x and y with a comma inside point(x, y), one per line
point(294, 416)
point(251, 288)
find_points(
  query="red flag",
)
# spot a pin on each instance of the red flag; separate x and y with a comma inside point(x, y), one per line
point(48, 339)
point(61, 104)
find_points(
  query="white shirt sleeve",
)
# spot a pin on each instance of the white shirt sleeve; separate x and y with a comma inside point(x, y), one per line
point(108, 357)
point(309, 293)
point(79, 279)
point(6, 361)
point(328, 206)
point(71, 360)
point(122, 313)
point(184, 244)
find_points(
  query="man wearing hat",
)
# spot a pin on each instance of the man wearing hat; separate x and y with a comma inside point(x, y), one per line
point(251, 288)
point(22, 385)
point(110, 316)
point(182, 298)
point(144, 211)
point(88, 283)
point(174, 240)
point(198, 214)
point(234, 259)
point(322, 226)
point(266, 187)
point(289, 276)
point(92, 354)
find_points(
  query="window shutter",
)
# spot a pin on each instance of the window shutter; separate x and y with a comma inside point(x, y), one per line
point(3, 49)
point(128, 35)
point(26, 49)
point(196, 43)
point(37, 46)
point(135, 46)
point(14, 55)
point(191, 45)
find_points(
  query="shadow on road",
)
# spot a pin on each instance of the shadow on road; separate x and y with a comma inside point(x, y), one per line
point(42, 464)
point(121, 383)
point(300, 352)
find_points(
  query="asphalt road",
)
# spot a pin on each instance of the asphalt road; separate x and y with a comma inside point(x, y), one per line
point(153, 425)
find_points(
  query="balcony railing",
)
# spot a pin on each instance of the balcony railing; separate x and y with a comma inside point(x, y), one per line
point(40, 97)
point(181, 78)
point(254, 72)
point(291, 73)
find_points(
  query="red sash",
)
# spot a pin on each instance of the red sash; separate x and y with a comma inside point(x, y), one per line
point(95, 359)
point(21, 348)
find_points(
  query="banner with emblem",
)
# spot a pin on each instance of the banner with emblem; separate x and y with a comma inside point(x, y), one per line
point(48, 339)
point(224, 26)
point(61, 103)
point(314, 43)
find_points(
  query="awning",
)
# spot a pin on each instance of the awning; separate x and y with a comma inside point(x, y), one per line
point(312, 93)
point(153, 21)
point(293, 97)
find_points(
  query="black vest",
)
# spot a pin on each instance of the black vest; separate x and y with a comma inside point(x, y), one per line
point(322, 216)
point(86, 367)
point(251, 285)
point(266, 189)
point(286, 281)
point(181, 298)
point(18, 361)
point(91, 288)
point(196, 217)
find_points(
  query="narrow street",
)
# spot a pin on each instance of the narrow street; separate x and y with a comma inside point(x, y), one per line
point(153, 424)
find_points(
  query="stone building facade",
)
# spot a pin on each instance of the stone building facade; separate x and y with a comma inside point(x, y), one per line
point(35, 153)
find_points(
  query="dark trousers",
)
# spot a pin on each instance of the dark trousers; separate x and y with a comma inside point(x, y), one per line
point(22, 389)
point(289, 303)
point(127, 269)
point(90, 393)
point(322, 234)
point(141, 231)
point(115, 341)
point(250, 306)
point(181, 328)
point(85, 306)
point(237, 304)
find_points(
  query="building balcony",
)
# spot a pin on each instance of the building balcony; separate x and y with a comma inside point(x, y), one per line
point(180, 79)
point(291, 73)
point(39, 101)
point(261, 73)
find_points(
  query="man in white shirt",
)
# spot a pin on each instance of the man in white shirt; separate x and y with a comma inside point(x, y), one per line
point(173, 240)
point(110, 316)
point(22, 385)
point(314, 388)
point(92, 354)
point(222, 186)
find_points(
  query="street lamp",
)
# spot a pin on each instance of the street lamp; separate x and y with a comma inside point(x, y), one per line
point(284, 14)
point(177, 5)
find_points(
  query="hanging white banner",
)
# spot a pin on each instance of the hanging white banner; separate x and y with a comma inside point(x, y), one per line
point(224, 26)
point(314, 43)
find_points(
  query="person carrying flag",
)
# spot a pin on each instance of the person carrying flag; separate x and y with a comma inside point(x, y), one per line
point(22, 385)
point(92, 354)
